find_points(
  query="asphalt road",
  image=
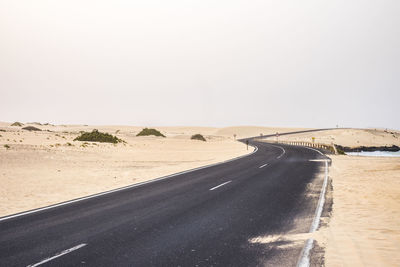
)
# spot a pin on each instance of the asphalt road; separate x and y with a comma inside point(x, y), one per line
point(206, 217)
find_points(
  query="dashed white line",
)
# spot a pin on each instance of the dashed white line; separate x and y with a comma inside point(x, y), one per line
point(262, 166)
point(62, 253)
point(220, 185)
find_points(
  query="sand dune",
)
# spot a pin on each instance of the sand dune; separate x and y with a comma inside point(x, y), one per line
point(348, 137)
point(250, 131)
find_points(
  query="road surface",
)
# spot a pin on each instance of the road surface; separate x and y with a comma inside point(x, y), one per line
point(205, 217)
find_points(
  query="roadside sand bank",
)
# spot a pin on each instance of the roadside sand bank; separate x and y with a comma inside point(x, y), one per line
point(364, 229)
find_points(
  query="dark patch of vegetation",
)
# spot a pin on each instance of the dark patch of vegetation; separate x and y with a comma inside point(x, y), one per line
point(340, 151)
point(2, 130)
point(198, 137)
point(392, 148)
point(150, 131)
point(7, 146)
point(96, 136)
point(69, 144)
point(17, 124)
point(31, 128)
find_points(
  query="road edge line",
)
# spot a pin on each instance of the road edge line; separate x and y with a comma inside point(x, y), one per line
point(304, 258)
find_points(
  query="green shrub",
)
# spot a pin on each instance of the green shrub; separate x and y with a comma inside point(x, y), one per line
point(149, 131)
point(96, 136)
point(7, 146)
point(340, 151)
point(17, 124)
point(198, 137)
point(31, 128)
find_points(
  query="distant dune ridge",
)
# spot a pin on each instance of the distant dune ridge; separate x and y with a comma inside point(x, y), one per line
point(348, 137)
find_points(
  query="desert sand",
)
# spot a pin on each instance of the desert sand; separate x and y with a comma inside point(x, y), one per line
point(347, 137)
point(251, 131)
point(364, 229)
point(48, 167)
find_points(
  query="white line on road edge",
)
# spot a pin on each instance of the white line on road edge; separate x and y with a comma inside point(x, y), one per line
point(315, 150)
point(304, 260)
point(262, 166)
point(58, 255)
point(321, 202)
point(125, 187)
point(220, 185)
point(283, 151)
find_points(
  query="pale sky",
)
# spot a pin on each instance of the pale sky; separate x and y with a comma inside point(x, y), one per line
point(207, 63)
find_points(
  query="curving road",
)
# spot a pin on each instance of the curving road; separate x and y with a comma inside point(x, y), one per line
point(205, 217)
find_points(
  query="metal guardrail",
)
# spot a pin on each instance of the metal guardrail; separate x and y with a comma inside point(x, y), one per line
point(331, 148)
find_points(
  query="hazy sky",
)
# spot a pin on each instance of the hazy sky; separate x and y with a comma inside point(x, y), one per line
point(212, 63)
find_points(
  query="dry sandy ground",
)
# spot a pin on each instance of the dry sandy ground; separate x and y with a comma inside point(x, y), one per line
point(348, 137)
point(364, 229)
point(40, 168)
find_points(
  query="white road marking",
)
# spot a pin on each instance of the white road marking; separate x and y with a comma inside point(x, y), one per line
point(123, 188)
point(262, 166)
point(315, 150)
point(304, 260)
point(62, 253)
point(321, 202)
point(318, 160)
point(220, 185)
point(283, 151)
